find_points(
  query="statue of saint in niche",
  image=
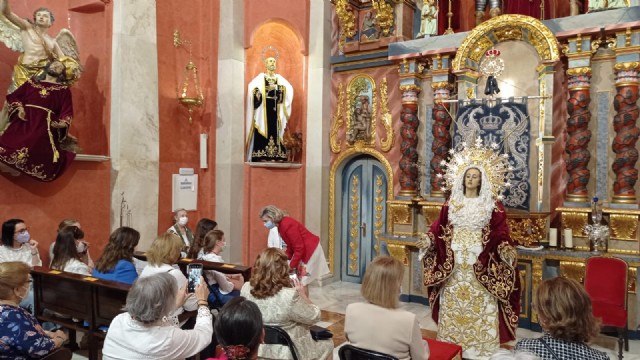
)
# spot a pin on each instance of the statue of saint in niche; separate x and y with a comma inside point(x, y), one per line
point(429, 19)
point(268, 110)
point(361, 121)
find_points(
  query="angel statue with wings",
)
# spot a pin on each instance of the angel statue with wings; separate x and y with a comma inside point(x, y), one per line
point(37, 47)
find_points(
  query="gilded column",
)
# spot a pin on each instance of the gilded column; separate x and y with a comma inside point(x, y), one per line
point(410, 88)
point(624, 125)
point(441, 135)
point(578, 133)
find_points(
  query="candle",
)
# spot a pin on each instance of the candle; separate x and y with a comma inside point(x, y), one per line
point(568, 238)
point(553, 237)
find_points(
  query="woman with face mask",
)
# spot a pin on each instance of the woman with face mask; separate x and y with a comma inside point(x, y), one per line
point(22, 336)
point(304, 251)
point(18, 244)
point(180, 228)
point(66, 252)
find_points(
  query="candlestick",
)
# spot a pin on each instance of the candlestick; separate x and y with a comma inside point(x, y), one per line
point(568, 238)
point(553, 237)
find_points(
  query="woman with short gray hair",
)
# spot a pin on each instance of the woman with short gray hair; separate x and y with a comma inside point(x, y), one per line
point(145, 331)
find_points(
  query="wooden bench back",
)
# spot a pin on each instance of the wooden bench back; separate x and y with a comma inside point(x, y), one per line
point(225, 268)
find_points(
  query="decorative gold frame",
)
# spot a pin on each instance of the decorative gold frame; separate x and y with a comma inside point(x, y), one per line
point(503, 28)
point(338, 164)
point(351, 94)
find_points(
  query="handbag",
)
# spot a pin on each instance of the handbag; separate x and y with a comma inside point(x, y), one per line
point(320, 333)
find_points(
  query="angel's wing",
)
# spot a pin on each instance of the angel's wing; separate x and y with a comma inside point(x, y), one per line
point(67, 43)
point(10, 35)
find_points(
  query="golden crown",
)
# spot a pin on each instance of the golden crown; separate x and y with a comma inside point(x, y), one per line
point(486, 158)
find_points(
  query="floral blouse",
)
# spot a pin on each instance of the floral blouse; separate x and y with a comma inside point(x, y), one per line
point(21, 337)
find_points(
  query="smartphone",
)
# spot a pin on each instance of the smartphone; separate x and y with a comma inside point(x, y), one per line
point(194, 272)
point(293, 278)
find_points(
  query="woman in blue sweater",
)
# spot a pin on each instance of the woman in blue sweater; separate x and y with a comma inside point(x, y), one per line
point(116, 262)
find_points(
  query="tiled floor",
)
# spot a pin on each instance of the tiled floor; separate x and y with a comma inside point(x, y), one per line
point(334, 298)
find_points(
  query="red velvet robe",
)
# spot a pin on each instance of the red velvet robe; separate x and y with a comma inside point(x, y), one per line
point(33, 146)
point(502, 281)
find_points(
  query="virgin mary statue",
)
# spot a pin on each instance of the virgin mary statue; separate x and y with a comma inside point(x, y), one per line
point(469, 257)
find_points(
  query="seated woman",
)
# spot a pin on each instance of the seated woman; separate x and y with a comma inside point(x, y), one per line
point(222, 287)
point(142, 332)
point(116, 262)
point(21, 337)
point(17, 244)
point(65, 253)
point(162, 256)
point(202, 228)
point(83, 245)
point(239, 330)
point(567, 322)
point(284, 306)
point(379, 324)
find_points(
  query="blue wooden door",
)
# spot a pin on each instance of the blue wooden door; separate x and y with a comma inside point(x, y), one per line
point(364, 214)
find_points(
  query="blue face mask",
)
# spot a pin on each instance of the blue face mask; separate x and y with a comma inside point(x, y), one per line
point(269, 225)
point(23, 237)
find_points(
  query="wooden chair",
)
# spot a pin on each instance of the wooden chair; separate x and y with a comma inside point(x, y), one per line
point(275, 335)
point(350, 352)
point(606, 282)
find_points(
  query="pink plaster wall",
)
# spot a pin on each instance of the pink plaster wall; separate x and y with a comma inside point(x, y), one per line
point(284, 25)
point(179, 140)
point(83, 192)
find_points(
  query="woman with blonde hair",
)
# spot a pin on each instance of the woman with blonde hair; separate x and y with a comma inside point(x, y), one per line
point(284, 305)
point(379, 324)
point(162, 258)
point(567, 321)
point(21, 335)
point(303, 247)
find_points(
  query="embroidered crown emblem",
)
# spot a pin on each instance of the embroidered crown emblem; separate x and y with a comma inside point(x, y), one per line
point(490, 122)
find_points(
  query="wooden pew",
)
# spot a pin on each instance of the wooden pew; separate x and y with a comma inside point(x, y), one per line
point(225, 268)
point(81, 297)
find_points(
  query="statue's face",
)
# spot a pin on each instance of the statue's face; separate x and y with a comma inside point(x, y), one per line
point(56, 68)
point(270, 63)
point(43, 18)
point(472, 179)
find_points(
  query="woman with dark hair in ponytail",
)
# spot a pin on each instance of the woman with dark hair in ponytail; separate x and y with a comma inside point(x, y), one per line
point(239, 330)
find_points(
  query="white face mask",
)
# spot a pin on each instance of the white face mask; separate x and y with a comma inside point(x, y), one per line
point(81, 247)
point(183, 220)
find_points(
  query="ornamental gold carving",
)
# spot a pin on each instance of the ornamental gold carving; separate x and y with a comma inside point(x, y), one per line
point(487, 34)
point(581, 71)
point(410, 87)
point(384, 15)
point(346, 20)
point(623, 227)
point(399, 252)
point(379, 209)
point(337, 122)
point(440, 85)
point(576, 221)
point(527, 231)
point(354, 222)
point(627, 66)
point(431, 212)
point(400, 213)
point(572, 270)
point(387, 120)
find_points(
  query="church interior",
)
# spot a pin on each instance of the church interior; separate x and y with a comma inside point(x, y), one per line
point(373, 97)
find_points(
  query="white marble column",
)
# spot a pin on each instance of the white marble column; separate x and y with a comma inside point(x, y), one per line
point(318, 115)
point(134, 140)
point(230, 128)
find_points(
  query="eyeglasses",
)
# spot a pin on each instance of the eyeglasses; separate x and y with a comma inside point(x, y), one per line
point(21, 231)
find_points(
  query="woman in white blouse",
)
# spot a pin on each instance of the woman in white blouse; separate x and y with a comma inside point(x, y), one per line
point(143, 332)
point(17, 244)
point(222, 287)
point(65, 251)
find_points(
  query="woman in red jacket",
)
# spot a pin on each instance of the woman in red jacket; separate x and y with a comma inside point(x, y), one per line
point(304, 251)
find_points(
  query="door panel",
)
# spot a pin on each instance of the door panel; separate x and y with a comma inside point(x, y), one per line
point(364, 197)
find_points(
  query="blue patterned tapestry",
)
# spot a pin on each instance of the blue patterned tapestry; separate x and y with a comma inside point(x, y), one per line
point(506, 124)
